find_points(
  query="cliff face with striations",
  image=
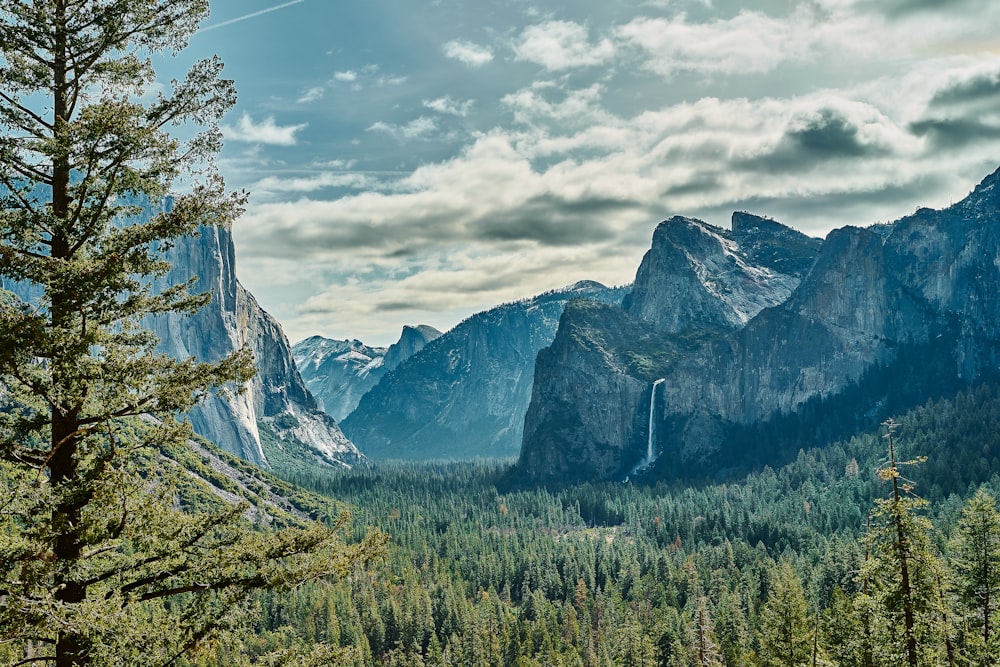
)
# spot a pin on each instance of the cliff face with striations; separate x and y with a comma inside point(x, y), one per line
point(464, 395)
point(769, 344)
point(276, 396)
point(589, 412)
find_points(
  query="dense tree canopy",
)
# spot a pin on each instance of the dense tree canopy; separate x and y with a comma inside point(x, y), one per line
point(778, 567)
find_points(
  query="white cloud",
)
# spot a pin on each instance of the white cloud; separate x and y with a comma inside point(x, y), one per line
point(566, 177)
point(417, 128)
point(560, 45)
point(533, 105)
point(450, 106)
point(263, 132)
point(750, 42)
point(391, 80)
point(274, 184)
point(312, 95)
point(469, 53)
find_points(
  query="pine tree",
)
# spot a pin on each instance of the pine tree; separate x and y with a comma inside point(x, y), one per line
point(786, 635)
point(843, 634)
point(705, 651)
point(902, 575)
point(98, 565)
point(975, 558)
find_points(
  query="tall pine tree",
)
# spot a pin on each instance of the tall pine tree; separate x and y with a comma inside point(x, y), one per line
point(975, 558)
point(97, 563)
point(786, 635)
point(902, 575)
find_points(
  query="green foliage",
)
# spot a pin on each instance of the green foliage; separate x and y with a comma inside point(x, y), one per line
point(608, 574)
point(111, 552)
point(903, 575)
point(976, 564)
point(786, 635)
point(288, 454)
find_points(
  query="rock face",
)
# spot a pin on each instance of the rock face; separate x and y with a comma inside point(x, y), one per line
point(340, 372)
point(589, 412)
point(276, 395)
point(878, 320)
point(464, 395)
point(698, 275)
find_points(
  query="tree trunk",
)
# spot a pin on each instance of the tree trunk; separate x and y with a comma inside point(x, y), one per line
point(904, 570)
point(65, 439)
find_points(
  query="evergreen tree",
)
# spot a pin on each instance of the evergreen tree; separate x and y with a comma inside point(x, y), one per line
point(902, 575)
point(842, 632)
point(975, 559)
point(705, 650)
point(786, 635)
point(98, 565)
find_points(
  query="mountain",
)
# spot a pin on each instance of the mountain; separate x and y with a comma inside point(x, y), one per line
point(589, 412)
point(340, 372)
point(464, 395)
point(722, 360)
point(698, 275)
point(276, 398)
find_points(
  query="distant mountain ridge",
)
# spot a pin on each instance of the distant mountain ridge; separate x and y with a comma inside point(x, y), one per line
point(340, 372)
point(864, 323)
point(465, 393)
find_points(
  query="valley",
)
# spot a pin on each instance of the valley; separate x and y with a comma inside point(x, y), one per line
point(524, 424)
point(484, 571)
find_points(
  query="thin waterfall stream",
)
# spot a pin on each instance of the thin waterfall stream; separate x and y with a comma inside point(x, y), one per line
point(650, 438)
point(650, 452)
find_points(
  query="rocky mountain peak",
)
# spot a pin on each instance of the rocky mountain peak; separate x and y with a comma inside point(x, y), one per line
point(464, 395)
point(745, 223)
point(775, 245)
point(882, 318)
point(583, 288)
point(698, 275)
point(411, 340)
point(340, 372)
point(985, 196)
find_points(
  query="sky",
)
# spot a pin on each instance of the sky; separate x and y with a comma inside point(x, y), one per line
point(416, 161)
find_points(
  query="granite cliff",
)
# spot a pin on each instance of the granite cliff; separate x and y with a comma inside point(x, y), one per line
point(589, 411)
point(276, 397)
point(784, 343)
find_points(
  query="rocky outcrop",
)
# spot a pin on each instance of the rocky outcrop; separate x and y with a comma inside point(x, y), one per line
point(411, 341)
point(464, 395)
point(280, 397)
point(881, 319)
point(697, 275)
point(340, 372)
point(589, 412)
point(573, 436)
point(233, 319)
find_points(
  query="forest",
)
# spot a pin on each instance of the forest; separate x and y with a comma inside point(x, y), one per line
point(813, 563)
point(126, 541)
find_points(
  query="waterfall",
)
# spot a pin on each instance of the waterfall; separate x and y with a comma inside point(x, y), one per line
point(644, 463)
point(650, 453)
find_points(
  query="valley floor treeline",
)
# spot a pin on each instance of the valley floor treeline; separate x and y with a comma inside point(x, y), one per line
point(795, 566)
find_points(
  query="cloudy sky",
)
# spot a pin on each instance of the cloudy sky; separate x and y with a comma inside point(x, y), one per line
point(414, 161)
